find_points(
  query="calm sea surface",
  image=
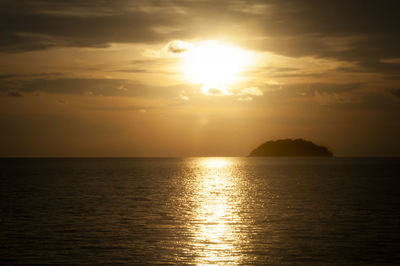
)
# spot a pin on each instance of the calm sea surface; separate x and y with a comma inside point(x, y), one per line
point(276, 211)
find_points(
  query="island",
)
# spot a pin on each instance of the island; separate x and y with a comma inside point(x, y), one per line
point(290, 147)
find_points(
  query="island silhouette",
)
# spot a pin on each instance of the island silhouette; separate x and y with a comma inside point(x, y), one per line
point(290, 147)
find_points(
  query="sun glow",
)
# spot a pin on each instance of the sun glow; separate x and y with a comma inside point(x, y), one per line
point(215, 65)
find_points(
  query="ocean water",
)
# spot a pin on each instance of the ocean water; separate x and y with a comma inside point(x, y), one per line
point(202, 211)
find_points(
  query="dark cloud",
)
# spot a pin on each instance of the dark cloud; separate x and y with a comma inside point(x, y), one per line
point(309, 90)
point(294, 75)
point(360, 31)
point(285, 69)
point(89, 87)
point(394, 77)
point(4, 77)
point(272, 71)
point(133, 70)
point(32, 25)
point(349, 96)
point(395, 92)
point(333, 18)
point(14, 94)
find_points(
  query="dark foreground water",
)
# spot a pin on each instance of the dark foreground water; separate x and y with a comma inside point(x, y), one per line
point(303, 211)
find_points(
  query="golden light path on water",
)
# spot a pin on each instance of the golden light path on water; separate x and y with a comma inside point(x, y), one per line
point(216, 227)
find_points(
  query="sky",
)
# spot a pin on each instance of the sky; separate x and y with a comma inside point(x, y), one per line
point(197, 77)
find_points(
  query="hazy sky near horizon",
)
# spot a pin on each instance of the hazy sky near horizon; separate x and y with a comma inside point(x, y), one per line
point(197, 77)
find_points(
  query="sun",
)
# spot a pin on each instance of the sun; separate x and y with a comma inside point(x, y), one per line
point(214, 64)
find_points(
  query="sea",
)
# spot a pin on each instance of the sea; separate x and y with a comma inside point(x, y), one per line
point(200, 211)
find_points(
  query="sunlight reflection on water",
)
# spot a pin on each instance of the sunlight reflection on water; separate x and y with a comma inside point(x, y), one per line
point(217, 215)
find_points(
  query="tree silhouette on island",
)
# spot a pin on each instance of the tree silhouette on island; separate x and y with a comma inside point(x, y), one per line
point(290, 147)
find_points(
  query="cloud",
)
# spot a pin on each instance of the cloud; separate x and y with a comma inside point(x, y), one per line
point(366, 33)
point(88, 87)
point(36, 24)
point(391, 60)
point(183, 96)
point(177, 47)
point(245, 94)
point(214, 91)
point(133, 70)
point(30, 84)
point(321, 92)
point(245, 99)
point(273, 83)
point(395, 92)
point(14, 94)
point(313, 89)
point(253, 91)
point(333, 98)
point(5, 77)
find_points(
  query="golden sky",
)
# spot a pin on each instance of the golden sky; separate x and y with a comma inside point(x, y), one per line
point(197, 77)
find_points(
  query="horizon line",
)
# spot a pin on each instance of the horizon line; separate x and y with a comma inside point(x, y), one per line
point(183, 157)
